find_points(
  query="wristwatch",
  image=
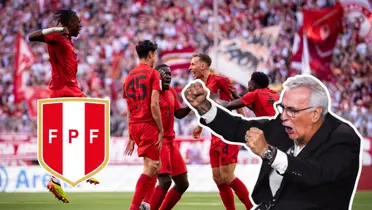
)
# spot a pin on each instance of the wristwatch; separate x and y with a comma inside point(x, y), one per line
point(270, 154)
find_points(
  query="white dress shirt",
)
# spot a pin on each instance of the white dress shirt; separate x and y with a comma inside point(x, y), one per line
point(280, 163)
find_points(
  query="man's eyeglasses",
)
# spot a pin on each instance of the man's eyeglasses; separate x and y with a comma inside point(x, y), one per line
point(291, 112)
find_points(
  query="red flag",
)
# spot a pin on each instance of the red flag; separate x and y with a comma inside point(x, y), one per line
point(24, 58)
point(322, 23)
point(320, 54)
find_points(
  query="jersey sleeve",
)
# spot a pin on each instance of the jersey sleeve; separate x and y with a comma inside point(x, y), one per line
point(177, 105)
point(52, 38)
point(156, 81)
point(248, 98)
point(226, 85)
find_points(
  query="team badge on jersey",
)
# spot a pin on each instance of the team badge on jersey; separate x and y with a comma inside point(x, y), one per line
point(73, 137)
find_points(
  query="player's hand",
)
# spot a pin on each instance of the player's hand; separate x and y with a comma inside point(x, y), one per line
point(234, 94)
point(256, 141)
point(65, 31)
point(196, 95)
point(197, 132)
point(130, 147)
point(160, 139)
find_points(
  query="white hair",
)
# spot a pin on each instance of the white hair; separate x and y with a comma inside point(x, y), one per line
point(319, 95)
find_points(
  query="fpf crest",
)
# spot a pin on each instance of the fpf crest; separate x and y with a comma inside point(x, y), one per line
point(73, 137)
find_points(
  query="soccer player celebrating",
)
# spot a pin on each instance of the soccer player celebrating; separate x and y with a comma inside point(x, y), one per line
point(259, 99)
point(172, 163)
point(141, 91)
point(223, 157)
point(64, 62)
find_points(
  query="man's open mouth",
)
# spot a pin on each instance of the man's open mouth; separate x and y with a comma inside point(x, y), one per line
point(288, 129)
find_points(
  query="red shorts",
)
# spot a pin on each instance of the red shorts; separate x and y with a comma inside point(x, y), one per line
point(171, 160)
point(221, 153)
point(145, 136)
point(67, 91)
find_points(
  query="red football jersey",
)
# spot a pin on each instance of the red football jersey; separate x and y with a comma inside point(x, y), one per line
point(168, 105)
point(138, 87)
point(63, 58)
point(261, 101)
point(221, 85)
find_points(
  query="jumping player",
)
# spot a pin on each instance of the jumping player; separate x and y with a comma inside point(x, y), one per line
point(173, 165)
point(63, 59)
point(223, 157)
point(259, 99)
point(141, 91)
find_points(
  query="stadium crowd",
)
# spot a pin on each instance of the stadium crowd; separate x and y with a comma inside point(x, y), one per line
point(111, 29)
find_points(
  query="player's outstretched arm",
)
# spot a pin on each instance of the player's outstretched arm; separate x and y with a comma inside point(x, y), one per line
point(182, 112)
point(234, 97)
point(235, 104)
point(39, 35)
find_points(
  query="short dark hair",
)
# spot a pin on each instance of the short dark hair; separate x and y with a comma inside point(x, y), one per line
point(261, 79)
point(144, 47)
point(63, 16)
point(204, 57)
point(160, 66)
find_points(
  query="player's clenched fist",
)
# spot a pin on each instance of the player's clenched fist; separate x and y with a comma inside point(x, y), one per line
point(196, 95)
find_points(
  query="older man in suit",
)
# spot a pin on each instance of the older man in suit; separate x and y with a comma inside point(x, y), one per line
point(311, 158)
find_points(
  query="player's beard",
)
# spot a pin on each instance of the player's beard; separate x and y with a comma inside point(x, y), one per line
point(166, 86)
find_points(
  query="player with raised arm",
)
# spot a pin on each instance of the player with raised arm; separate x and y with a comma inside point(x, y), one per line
point(142, 88)
point(259, 99)
point(223, 157)
point(64, 62)
point(173, 166)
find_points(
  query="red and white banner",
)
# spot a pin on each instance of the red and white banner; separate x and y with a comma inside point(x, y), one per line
point(24, 58)
point(177, 59)
point(74, 137)
point(359, 13)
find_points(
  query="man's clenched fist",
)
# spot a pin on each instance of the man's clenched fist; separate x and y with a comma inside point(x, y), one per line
point(196, 95)
point(256, 141)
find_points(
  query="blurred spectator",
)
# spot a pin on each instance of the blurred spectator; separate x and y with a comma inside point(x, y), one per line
point(106, 50)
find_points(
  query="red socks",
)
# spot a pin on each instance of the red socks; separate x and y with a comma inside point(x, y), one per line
point(150, 190)
point(227, 196)
point(142, 185)
point(171, 199)
point(242, 192)
point(157, 198)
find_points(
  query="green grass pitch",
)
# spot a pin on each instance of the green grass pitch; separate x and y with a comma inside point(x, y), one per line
point(121, 201)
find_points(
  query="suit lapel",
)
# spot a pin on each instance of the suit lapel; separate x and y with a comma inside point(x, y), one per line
point(319, 137)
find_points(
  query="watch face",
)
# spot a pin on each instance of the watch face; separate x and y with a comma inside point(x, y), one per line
point(268, 155)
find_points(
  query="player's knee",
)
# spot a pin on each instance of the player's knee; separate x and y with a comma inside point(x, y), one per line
point(227, 176)
point(182, 186)
point(181, 183)
point(165, 181)
point(218, 179)
point(152, 167)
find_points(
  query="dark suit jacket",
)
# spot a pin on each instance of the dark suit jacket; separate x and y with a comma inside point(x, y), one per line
point(322, 176)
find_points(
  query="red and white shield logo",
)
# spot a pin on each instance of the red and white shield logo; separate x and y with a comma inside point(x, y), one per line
point(73, 137)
